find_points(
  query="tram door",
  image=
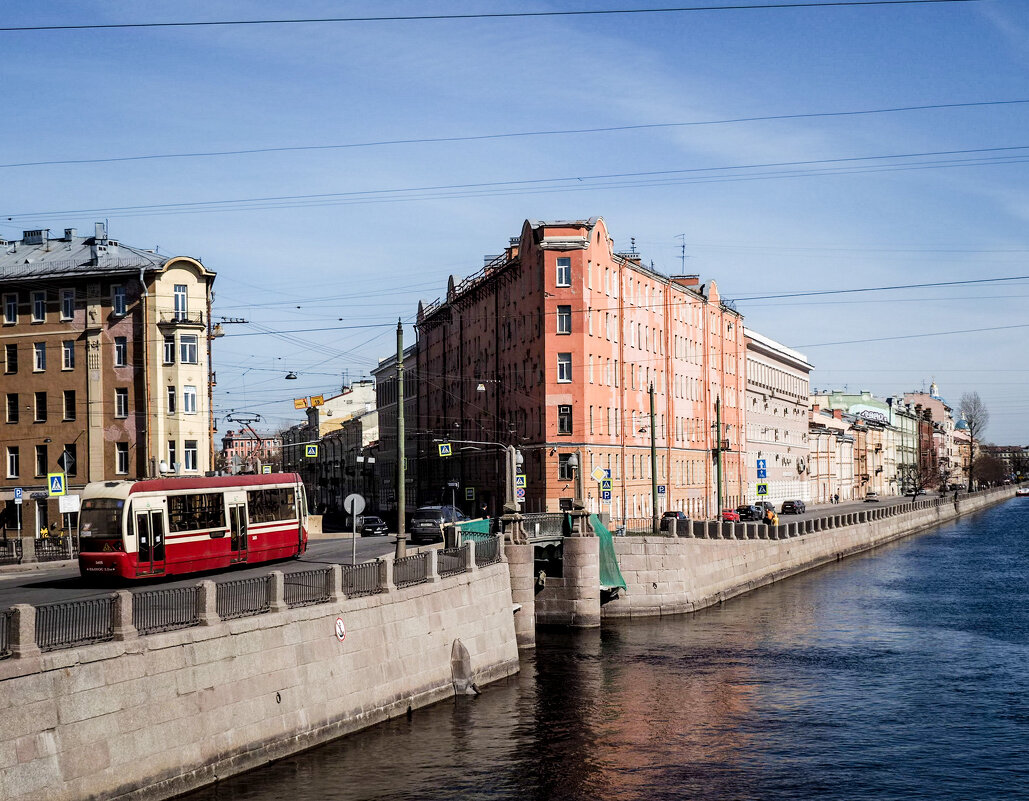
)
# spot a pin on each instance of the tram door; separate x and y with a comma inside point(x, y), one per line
point(238, 526)
point(150, 536)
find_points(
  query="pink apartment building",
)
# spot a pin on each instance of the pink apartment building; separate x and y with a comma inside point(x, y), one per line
point(552, 347)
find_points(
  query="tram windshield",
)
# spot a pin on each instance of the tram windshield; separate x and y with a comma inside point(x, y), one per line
point(100, 518)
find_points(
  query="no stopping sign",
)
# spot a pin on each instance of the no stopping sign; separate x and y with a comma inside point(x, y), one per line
point(341, 629)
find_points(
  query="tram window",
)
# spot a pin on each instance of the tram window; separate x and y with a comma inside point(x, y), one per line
point(101, 517)
point(267, 505)
point(196, 511)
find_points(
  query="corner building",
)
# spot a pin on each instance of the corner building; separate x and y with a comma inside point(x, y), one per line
point(552, 347)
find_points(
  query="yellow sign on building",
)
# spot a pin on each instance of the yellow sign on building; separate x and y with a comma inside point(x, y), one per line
point(300, 403)
point(317, 400)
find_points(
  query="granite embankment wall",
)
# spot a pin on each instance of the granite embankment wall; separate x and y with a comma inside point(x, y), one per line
point(151, 717)
point(668, 575)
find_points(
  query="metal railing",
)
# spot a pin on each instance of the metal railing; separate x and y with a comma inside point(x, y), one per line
point(452, 561)
point(165, 610)
point(364, 579)
point(242, 597)
point(543, 524)
point(410, 570)
point(71, 623)
point(641, 526)
point(308, 587)
point(185, 318)
point(6, 621)
point(487, 551)
point(10, 551)
point(53, 549)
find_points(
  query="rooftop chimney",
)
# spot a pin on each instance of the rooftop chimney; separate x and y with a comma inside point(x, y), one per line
point(101, 231)
point(685, 280)
point(70, 234)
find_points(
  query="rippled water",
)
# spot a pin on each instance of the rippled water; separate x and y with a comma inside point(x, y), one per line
point(900, 674)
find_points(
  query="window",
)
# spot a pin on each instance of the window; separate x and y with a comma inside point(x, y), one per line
point(564, 470)
point(189, 400)
point(39, 307)
point(67, 304)
point(11, 359)
point(564, 271)
point(10, 310)
point(121, 402)
point(197, 511)
point(121, 457)
point(188, 349)
point(180, 302)
point(40, 399)
point(564, 368)
point(12, 461)
point(69, 404)
point(268, 505)
point(171, 456)
point(169, 349)
point(68, 460)
point(41, 464)
point(189, 454)
point(171, 400)
point(564, 419)
point(564, 319)
point(12, 407)
point(39, 357)
point(68, 354)
point(118, 304)
point(121, 351)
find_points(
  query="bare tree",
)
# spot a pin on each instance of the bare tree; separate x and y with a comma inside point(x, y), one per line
point(977, 417)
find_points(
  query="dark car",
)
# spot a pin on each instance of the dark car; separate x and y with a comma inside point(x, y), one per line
point(748, 512)
point(764, 506)
point(793, 508)
point(372, 526)
point(679, 518)
point(427, 522)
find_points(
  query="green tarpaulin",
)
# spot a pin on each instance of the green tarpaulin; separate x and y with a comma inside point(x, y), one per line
point(475, 530)
point(610, 575)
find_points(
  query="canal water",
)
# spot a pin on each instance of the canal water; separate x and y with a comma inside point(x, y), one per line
point(898, 674)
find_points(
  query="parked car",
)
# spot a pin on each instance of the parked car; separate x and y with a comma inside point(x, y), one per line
point(871, 497)
point(748, 512)
point(764, 506)
point(679, 518)
point(427, 522)
point(793, 508)
point(372, 526)
point(730, 516)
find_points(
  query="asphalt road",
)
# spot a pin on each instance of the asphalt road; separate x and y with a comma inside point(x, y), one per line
point(60, 581)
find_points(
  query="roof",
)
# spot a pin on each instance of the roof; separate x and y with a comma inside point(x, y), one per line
point(43, 257)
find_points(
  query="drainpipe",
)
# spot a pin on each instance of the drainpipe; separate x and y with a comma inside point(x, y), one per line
point(146, 377)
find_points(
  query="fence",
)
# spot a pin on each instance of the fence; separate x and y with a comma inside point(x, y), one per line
point(639, 526)
point(242, 597)
point(411, 570)
point(306, 588)
point(6, 620)
point(10, 551)
point(365, 579)
point(164, 610)
point(540, 524)
point(487, 551)
point(451, 561)
point(70, 623)
point(53, 549)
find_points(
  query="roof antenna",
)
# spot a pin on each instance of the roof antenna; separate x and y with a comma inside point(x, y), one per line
point(683, 257)
point(632, 245)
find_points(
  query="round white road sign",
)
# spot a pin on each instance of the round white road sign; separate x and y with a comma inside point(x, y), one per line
point(341, 630)
point(354, 504)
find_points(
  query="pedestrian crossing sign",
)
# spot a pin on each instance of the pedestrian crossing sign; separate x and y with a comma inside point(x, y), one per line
point(445, 449)
point(55, 484)
point(311, 451)
point(762, 489)
point(519, 480)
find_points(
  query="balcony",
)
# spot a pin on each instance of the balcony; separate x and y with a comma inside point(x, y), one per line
point(181, 319)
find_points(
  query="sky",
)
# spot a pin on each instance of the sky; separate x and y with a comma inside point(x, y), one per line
point(366, 222)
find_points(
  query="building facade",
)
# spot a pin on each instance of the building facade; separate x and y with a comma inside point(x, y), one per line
point(777, 412)
point(106, 365)
point(246, 452)
point(553, 347)
point(385, 376)
point(830, 456)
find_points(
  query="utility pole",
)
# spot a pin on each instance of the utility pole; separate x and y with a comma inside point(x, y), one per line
point(401, 551)
point(718, 453)
point(653, 464)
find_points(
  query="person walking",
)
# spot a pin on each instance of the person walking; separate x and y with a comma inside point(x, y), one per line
point(836, 498)
point(44, 531)
point(769, 516)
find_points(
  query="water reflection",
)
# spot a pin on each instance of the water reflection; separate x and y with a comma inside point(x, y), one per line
point(897, 674)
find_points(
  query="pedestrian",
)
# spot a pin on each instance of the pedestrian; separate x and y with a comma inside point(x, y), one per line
point(769, 516)
point(775, 519)
point(44, 531)
point(836, 498)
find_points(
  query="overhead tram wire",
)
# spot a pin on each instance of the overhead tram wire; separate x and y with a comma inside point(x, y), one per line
point(482, 15)
point(513, 134)
point(719, 174)
point(911, 336)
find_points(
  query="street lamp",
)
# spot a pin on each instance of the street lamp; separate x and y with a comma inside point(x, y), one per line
point(573, 465)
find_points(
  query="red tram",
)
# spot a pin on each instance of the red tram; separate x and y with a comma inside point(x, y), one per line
point(168, 526)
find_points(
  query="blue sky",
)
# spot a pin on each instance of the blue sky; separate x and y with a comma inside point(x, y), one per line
point(365, 260)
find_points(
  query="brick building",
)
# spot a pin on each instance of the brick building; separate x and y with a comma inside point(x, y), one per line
point(552, 347)
point(106, 365)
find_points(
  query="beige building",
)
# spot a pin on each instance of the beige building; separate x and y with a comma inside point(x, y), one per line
point(777, 407)
point(831, 456)
point(106, 365)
